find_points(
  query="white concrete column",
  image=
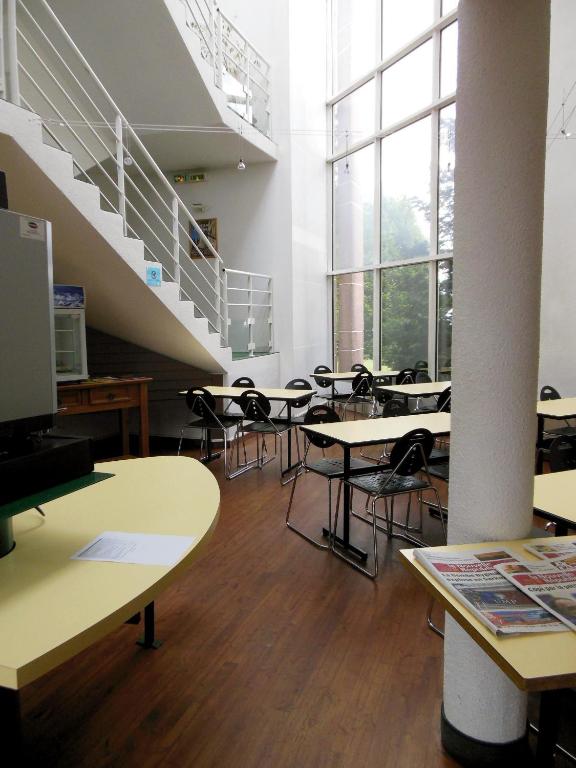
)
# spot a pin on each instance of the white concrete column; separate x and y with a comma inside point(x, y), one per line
point(500, 146)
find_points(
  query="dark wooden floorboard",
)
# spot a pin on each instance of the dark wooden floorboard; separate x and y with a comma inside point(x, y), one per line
point(275, 654)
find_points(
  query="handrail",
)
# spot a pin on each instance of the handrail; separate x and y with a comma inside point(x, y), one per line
point(81, 117)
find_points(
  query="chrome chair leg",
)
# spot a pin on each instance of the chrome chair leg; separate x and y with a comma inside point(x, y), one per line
point(342, 556)
point(429, 621)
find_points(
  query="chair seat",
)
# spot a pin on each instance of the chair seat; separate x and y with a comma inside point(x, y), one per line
point(226, 421)
point(438, 456)
point(334, 468)
point(561, 432)
point(267, 429)
point(441, 471)
point(380, 483)
point(294, 420)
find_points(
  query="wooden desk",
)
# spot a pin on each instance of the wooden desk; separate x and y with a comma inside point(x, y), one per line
point(539, 662)
point(555, 499)
point(357, 434)
point(51, 607)
point(98, 395)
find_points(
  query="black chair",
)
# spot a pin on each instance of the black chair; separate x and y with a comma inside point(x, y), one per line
point(202, 405)
point(549, 393)
point(361, 391)
point(331, 469)
point(256, 410)
point(324, 383)
point(562, 454)
point(422, 378)
point(421, 365)
point(408, 457)
point(301, 402)
point(406, 376)
point(358, 367)
point(390, 408)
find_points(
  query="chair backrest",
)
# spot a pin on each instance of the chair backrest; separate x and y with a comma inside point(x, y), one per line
point(549, 393)
point(444, 403)
point(395, 408)
point(201, 402)
point(362, 384)
point(406, 376)
point(244, 382)
point(358, 367)
point(320, 414)
point(422, 378)
point(300, 384)
point(323, 383)
point(421, 365)
point(255, 406)
point(411, 452)
point(562, 454)
point(380, 395)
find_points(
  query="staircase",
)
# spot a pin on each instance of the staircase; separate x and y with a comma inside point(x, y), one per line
point(71, 157)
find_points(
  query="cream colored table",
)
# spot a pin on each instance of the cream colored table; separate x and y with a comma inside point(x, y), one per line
point(351, 375)
point(555, 499)
point(561, 409)
point(52, 607)
point(363, 432)
point(540, 662)
point(429, 389)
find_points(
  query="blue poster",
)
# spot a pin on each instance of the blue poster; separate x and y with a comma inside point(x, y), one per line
point(154, 275)
point(69, 297)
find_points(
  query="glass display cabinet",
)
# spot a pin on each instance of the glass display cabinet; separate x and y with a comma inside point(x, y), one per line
point(70, 333)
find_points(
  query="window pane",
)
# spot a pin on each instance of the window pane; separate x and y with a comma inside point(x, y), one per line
point(444, 320)
point(405, 212)
point(353, 315)
point(448, 5)
point(446, 166)
point(407, 85)
point(353, 193)
point(353, 117)
point(403, 20)
point(448, 61)
point(404, 316)
point(356, 43)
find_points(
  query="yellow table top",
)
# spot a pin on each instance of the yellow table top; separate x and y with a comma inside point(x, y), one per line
point(417, 390)
point(555, 494)
point(538, 662)
point(564, 408)
point(51, 607)
point(374, 431)
point(349, 375)
point(270, 392)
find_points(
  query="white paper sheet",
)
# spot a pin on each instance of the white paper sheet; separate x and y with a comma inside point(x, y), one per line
point(139, 548)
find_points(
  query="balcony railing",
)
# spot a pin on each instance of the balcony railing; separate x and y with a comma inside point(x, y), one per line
point(240, 71)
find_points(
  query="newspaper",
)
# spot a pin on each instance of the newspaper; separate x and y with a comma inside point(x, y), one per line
point(553, 586)
point(557, 548)
point(558, 553)
point(471, 576)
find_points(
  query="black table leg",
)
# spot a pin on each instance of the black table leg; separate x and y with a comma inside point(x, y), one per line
point(148, 640)
point(548, 728)
point(539, 443)
point(209, 455)
point(344, 541)
point(289, 417)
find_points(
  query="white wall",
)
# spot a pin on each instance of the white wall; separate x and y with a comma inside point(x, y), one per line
point(272, 216)
point(558, 311)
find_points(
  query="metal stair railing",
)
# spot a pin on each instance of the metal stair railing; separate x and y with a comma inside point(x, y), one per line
point(42, 70)
point(240, 70)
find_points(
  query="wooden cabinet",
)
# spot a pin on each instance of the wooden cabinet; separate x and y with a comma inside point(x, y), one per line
point(99, 395)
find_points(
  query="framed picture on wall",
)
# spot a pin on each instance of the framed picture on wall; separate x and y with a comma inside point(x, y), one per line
point(210, 228)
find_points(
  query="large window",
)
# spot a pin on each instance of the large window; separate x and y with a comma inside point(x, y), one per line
point(393, 160)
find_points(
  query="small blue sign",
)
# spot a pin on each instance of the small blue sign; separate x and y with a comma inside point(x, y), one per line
point(154, 275)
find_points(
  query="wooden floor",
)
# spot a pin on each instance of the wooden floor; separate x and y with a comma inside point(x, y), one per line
point(275, 655)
